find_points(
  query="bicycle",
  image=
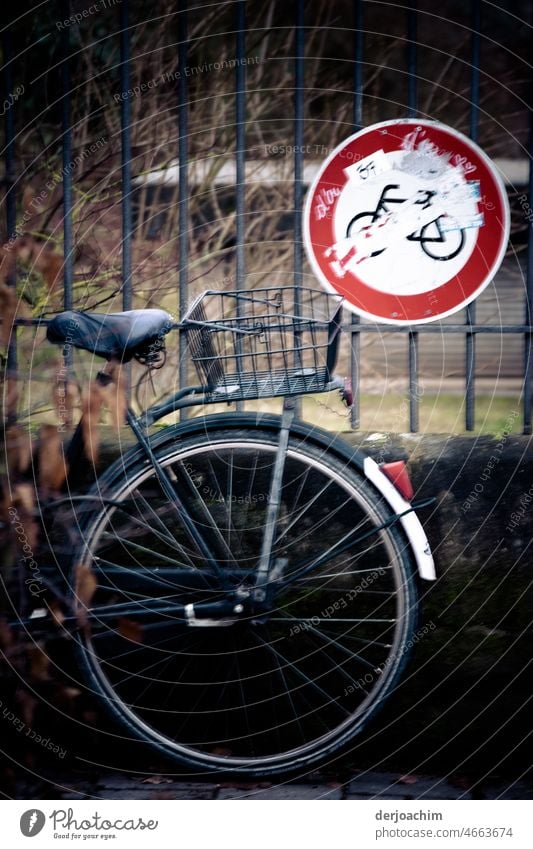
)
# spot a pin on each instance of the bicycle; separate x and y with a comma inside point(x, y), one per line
point(255, 578)
point(432, 237)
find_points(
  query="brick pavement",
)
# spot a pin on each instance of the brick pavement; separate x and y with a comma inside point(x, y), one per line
point(365, 785)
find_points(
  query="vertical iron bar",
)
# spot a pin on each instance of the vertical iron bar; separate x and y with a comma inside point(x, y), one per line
point(10, 195)
point(240, 160)
point(412, 92)
point(298, 159)
point(413, 382)
point(355, 337)
point(183, 187)
point(412, 59)
point(67, 167)
point(470, 365)
point(528, 346)
point(240, 152)
point(125, 141)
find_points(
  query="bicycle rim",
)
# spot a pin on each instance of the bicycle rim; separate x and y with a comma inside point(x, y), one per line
point(267, 693)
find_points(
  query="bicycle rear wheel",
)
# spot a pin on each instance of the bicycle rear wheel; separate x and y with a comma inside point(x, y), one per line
point(271, 692)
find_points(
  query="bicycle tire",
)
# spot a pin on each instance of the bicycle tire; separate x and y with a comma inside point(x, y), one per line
point(263, 696)
point(373, 218)
point(425, 240)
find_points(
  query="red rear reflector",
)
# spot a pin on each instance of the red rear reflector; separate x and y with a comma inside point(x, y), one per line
point(398, 475)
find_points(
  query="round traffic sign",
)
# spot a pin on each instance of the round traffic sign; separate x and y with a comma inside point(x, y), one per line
point(408, 220)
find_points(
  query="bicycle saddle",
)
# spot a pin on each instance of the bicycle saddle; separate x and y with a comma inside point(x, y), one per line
point(118, 335)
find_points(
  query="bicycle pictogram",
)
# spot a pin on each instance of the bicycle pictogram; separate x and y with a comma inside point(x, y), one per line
point(437, 243)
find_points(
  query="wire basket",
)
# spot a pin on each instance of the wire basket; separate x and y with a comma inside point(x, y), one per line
point(263, 342)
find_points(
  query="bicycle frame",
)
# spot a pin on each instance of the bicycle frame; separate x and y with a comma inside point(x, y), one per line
point(139, 426)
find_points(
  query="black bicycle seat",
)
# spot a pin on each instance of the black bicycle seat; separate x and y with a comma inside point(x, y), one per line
point(118, 335)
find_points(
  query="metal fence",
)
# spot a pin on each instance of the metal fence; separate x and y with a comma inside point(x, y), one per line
point(413, 71)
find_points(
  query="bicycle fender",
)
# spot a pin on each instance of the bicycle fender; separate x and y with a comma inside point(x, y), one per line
point(410, 522)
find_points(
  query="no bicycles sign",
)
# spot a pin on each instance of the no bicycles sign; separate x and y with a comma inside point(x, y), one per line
point(408, 220)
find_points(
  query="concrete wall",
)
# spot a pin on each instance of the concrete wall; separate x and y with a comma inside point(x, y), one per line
point(466, 704)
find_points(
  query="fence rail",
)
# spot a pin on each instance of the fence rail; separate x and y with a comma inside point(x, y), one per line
point(125, 13)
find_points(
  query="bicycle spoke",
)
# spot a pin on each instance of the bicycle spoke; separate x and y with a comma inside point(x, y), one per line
point(330, 700)
point(349, 654)
point(278, 685)
point(164, 533)
point(305, 509)
point(327, 619)
point(288, 695)
point(138, 547)
point(206, 513)
point(344, 543)
point(348, 636)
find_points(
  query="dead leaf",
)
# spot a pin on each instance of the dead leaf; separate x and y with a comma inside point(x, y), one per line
point(91, 407)
point(130, 630)
point(90, 717)
point(18, 449)
point(52, 464)
point(51, 267)
point(56, 613)
point(28, 705)
point(114, 395)
point(35, 203)
point(71, 693)
point(12, 397)
point(23, 500)
point(408, 779)
point(8, 311)
point(8, 262)
point(24, 497)
point(85, 585)
point(156, 779)
point(42, 259)
point(6, 635)
point(39, 663)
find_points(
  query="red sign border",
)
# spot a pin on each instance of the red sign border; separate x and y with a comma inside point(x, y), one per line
point(457, 292)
